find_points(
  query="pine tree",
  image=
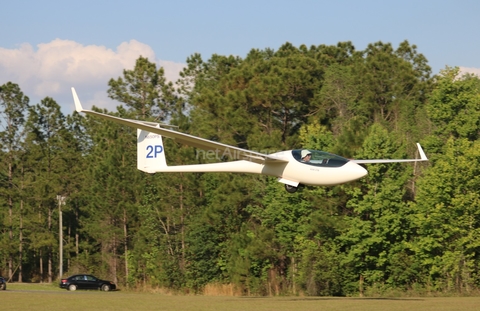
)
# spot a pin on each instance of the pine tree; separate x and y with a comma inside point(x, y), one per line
point(14, 105)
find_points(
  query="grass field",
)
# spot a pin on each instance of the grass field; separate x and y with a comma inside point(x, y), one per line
point(49, 297)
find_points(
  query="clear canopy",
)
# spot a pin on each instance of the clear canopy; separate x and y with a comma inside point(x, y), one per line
point(319, 158)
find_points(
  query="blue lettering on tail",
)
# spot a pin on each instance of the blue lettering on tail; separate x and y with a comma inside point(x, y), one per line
point(153, 151)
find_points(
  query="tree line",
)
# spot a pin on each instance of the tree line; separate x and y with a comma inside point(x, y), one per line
point(404, 227)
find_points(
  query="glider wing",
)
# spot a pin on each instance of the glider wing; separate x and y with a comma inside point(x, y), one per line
point(423, 157)
point(220, 150)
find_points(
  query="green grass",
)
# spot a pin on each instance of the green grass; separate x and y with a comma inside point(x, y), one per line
point(49, 297)
point(34, 286)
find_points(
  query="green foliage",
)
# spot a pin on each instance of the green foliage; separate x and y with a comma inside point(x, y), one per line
point(144, 90)
point(13, 105)
point(316, 136)
point(403, 227)
point(377, 227)
point(453, 105)
point(447, 218)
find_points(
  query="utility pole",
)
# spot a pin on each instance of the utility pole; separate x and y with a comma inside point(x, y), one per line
point(61, 201)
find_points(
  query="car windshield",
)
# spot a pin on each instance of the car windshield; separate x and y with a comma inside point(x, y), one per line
point(318, 158)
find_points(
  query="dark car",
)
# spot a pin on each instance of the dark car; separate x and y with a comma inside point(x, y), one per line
point(86, 281)
point(3, 283)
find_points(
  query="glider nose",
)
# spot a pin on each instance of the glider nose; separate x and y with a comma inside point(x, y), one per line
point(357, 171)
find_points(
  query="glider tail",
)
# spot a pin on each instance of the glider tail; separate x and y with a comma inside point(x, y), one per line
point(150, 152)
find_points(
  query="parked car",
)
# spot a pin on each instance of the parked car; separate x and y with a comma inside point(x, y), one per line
point(86, 281)
point(3, 283)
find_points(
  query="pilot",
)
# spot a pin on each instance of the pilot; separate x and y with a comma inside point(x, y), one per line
point(306, 156)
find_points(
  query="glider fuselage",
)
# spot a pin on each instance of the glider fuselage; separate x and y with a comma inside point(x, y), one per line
point(291, 170)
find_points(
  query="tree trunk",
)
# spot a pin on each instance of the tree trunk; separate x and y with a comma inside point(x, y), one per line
point(182, 226)
point(41, 265)
point(20, 246)
point(10, 219)
point(125, 241)
point(114, 262)
point(360, 286)
point(77, 237)
point(50, 255)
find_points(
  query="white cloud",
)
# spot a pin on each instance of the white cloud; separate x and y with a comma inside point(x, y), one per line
point(475, 71)
point(54, 67)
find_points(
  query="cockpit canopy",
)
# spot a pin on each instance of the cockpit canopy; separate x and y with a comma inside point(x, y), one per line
point(319, 158)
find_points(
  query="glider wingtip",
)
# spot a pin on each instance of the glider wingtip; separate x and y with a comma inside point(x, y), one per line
point(423, 157)
point(78, 105)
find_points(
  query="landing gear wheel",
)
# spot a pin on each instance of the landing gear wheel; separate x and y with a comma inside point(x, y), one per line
point(291, 189)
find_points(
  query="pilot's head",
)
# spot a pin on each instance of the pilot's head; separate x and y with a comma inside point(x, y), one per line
point(306, 153)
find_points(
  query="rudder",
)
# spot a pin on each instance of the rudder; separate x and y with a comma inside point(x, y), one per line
point(150, 152)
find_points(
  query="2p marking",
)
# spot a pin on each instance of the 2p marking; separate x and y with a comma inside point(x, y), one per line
point(153, 151)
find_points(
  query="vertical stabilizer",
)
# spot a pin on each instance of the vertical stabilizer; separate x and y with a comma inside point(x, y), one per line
point(150, 152)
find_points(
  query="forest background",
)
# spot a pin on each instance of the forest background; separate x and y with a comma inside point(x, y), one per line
point(403, 228)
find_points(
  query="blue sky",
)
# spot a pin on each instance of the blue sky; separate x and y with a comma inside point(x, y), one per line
point(48, 46)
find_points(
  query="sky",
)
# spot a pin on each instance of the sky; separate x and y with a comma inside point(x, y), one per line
point(48, 46)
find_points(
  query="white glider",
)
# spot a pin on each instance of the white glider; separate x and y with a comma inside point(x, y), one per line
point(292, 167)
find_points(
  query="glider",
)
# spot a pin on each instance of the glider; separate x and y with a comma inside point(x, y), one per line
point(292, 167)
